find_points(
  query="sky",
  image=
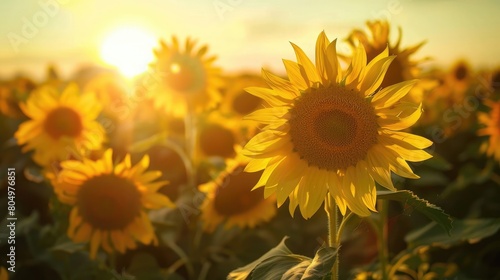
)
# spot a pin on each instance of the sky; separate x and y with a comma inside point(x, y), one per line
point(244, 34)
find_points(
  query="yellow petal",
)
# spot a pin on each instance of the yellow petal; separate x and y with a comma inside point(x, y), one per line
point(374, 75)
point(94, 243)
point(358, 63)
point(321, 60)
point(333, 69)
point(391, 94)
point(284, 87)
point(309, 71)
point(294, 72)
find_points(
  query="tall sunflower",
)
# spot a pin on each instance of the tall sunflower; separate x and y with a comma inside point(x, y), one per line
point(333, 132)
point(185, 79)
point(109, 201)
point(402, 68)
point(60, 124)
point(491, 121)
point(230, 200)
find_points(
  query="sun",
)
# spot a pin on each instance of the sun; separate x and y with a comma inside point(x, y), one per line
point(130, 49)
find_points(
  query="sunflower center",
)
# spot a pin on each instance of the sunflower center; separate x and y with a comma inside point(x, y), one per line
point(186, 74)
point(108, 202)
point(461, 72)
point(332, 128)
point(495, 81)
point(244, 103)
point(63, 121)
point(216, 140)
point(234, 192)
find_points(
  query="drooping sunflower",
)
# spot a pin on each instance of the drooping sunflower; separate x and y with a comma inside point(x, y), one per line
point(109, 201)
point(185, 79)
point(402, 68)
point(329, 131)
point(491, 121)
point(230, 199)
point(60, 125)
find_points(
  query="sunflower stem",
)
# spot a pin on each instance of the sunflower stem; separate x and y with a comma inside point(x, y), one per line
point(333, 227)
point(382, 234)
point(190, 131)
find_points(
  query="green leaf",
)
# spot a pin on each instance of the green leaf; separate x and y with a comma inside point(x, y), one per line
point(281, 263)
point(321, 264)
point(470, 230)
point(281, 267)
point(423, 206)
point(243, 272)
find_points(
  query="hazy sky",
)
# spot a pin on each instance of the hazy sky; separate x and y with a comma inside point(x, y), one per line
point(245, 34)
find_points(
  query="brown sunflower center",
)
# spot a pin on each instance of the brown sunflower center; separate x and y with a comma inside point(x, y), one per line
point(234, 192)
point(186, 74)
point(108, 202)
point(215, 140)
point(332, 128)
point(495, 80)
point(461, 72)
point(63, 121)
point(244, 103)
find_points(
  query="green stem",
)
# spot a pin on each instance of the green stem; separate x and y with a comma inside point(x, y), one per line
point(190, 146)
point(342, 225)
point(382, 234)
point(333, 227)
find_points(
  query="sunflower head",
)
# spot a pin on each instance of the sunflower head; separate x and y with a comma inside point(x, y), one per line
point(218, 136)
point(402, 67)
point(112, 92)
point(333, 132)
point(491, 128)
point(60, 124)
point(236, 100)
point(12, 93)
point(109, 201)
point(185, 78)
point(230, 199)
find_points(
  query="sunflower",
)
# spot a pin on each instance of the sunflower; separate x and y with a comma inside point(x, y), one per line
point(236, 100)
point(229, 199)
point(492, 129)
point(218, 136)
point(460, 75)
point(111, 91)
point(109, 201)
point(402, 68)
point(60, 125)
point(12, 93)
point(328, 131)
point(185, 79)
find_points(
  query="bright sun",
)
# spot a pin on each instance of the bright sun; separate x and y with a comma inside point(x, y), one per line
point(130, 49)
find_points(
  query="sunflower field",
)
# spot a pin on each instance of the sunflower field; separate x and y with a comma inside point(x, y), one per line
point(359, 162)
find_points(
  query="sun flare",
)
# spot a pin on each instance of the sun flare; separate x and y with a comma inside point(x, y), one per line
point(129, 49)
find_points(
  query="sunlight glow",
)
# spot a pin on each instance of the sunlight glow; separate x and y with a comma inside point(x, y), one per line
point(130, 49)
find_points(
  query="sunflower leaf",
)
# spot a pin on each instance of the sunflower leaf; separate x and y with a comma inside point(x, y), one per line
point(243, 273)
point(321, 265)
point(281, 263)
point(423, 206)
point(470, 230)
